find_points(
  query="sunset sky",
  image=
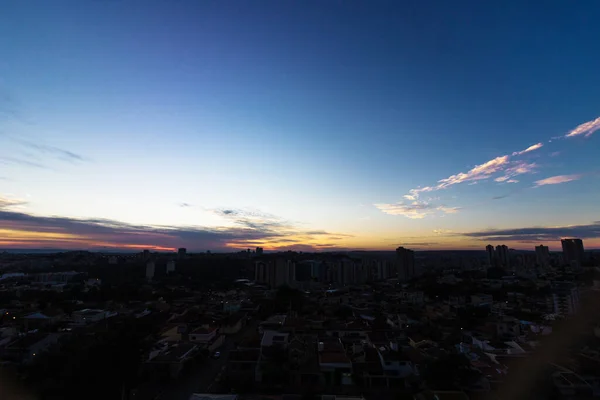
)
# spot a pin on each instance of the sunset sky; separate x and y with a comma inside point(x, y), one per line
point(217, 125)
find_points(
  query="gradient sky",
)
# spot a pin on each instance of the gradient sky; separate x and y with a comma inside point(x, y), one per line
point(298, 124)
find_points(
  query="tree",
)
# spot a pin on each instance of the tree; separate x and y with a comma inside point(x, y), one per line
point(450, 372)
point(287, 297)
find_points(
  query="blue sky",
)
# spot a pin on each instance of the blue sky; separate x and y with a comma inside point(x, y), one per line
point(322, 114)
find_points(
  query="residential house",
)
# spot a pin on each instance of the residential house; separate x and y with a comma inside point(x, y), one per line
point(89, 316)
point(24, 349)
point(208, 337)
point(333, 362)
point(168, 359)
point(242, 366)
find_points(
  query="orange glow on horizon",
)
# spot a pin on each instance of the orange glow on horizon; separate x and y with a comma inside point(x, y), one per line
point(22, 238)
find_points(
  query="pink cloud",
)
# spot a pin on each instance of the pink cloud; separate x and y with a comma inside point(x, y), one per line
point(516, 168)
point(527, 150)
point(555, 180)
point(482, 171)
point(587, 128)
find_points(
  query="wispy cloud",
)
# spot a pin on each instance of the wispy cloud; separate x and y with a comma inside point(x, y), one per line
point(554, 154)
point(475, 174)
point(7, 202)
point(587, 231)
point(415, 210)
point(516, 168)
point(508, 168)
point(448, 210)
point(555, 180)
point(19, 161)
point(586, 129)
point(482, 171)
point(185, 205)
point(527, 150)
point(62, 154)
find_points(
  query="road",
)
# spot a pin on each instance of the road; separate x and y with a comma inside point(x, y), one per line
point(202, 378)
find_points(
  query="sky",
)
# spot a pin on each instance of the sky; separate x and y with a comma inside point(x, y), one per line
point(306, 125)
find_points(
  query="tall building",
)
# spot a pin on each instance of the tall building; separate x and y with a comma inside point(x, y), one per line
point(489, 249)
point(542, 255)
point(405, 262)
point(150, 271)
point(573, 252)
point(318, 271)
point(285, 272)
point(304, 271)
point(275, 273)
point(181, 252)
point(170, 267)
point(502, 255)
point(564, 298)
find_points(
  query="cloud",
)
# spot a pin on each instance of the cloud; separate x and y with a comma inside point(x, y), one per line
point(555, 180)
point(527, 150)
point(253, 219)
point(587, 128)
point(6, 203)
point(442, 231)
point(19, 229)
point(185, 205)
point(448, 210)
point(554, 154)
point(62, 154)
point(486, 170)
point(475, 174)
point(482, 171)
point(414, 193)
point(538, 234)
point(415, 210)
point(516, 168)
point(19, 161)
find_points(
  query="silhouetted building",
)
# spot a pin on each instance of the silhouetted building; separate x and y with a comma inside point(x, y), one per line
point(150, 271)
point(319, 271)
point(542, 255)
point(489, 249)
point(181, 252)
point(405, 260)
point(261, 272)
point(345, 272)
point(573, 252)
point(304, 271)
point(259, 251)
point(502, 255)
point(170, 267)
point(275, 273)
point(564, 298)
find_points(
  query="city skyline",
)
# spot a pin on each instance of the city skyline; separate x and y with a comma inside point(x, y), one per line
point(314, 126)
